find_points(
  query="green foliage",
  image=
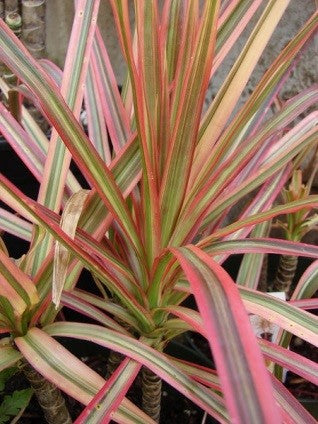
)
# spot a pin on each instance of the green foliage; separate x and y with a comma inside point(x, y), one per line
point(14, 403)
point(5, 375)
point(11, 405)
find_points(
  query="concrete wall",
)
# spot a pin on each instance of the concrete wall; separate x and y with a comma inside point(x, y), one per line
point(59, 16)
point(59, 21)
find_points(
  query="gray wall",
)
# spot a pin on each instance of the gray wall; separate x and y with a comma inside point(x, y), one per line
point(59, 15)
point(59, 21)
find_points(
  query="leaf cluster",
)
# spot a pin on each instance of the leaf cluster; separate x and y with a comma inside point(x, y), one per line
point(157, 223)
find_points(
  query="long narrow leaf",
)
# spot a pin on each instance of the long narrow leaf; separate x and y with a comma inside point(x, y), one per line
point(247, 388)
point(293, 408)
point(8, 357)
point(69, 373)
point(16, 56)
point(15, 225)
point(115, 115)
point(95, 119)
point(224, 103)
point(95, 263)
point(185, 130)
point(107, 400)
point(155, 361)
point(73, 77)
point(263, 91)
point(20, 282)
point(290, 318)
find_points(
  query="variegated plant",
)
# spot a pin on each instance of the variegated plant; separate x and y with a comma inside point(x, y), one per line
point(153, 228)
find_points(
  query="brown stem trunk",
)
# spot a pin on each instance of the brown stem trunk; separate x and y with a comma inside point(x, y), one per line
point(14, 104)
point(113, 362)
point(33, 28)
point(263, 278)
point(49, 397)
point(1, 9)
point(2, 66)
point(13, 20)
point(151, 394)
point(285, 273)
point(11, 6)
point(33, 37)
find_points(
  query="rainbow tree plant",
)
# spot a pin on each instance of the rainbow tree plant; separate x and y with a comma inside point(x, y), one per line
point(153, 228)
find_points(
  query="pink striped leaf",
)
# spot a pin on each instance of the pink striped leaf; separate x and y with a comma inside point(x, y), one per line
point(284, 357)
point(260, 96)
point(291, 409)
point(308, 283)
point(184, 133)
point(262, 245)
point(152, 359)
point(16, 56)
point(22, 143)
point(32, 144)
point(23, 287)
point(95, 119)
point(13, 224)
point(309, 202)
point(107, 400)
point(67, 372)
point(97, 264)
point(230, 26)
point(290, 360)
point(74, 75)
point(105, 305)
point(305, 303)
point(8, 357)
point(116, 117)
point(221, 108)
point(244, 379)
point(283, 314)
point(83, 307)
point(200, 202)
point(289, 146)
point(58, 158)
point(294, 412)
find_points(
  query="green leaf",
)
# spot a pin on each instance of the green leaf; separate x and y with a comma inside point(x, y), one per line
point(5, 374)
point(12, 404)
point(8, 357)
point(251, 265)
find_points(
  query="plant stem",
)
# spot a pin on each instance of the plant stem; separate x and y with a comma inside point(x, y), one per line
point(113, 362)
point(49, 397)
point(263, 278)
point(151, 394)
point(33, 27)
point(285, 273)
point(13, 20)
point(2, 65)
point(33, 37)
point(14, 104)
point(11, 6)
point(1, 9)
